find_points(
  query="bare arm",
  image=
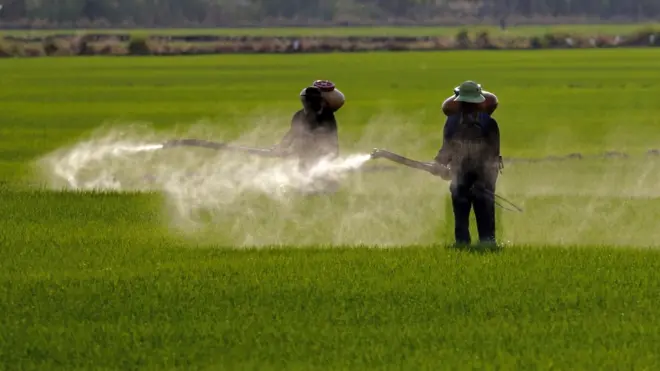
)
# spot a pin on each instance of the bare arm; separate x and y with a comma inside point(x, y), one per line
point(450, 106)
point(490, 105)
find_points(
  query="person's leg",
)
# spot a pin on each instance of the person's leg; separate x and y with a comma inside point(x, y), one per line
point(484, 211)
point(461, 200)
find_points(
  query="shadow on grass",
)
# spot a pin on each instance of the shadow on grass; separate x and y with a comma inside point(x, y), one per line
point(478, 248)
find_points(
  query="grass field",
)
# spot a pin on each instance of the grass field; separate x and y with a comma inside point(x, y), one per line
point(591, 29)
point(160, 276)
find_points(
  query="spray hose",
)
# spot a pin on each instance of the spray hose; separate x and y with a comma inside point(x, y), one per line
point(495, 196)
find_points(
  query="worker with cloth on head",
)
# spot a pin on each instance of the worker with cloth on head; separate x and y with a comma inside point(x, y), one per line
point(313, 135)
point(470, 158)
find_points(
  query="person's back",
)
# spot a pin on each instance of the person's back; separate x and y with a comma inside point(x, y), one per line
point(471, 150)
point(315, 135)
point(473, 143)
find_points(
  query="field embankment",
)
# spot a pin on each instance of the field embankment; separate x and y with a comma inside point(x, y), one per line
point(36, 44)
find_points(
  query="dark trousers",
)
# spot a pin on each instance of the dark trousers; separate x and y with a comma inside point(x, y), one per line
point(470, 191)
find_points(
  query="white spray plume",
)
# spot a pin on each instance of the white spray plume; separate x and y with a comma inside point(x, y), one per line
point(203, 186)
point(96, 164)
point(235, 199)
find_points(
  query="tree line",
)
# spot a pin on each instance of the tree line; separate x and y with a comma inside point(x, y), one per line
point(182, 13)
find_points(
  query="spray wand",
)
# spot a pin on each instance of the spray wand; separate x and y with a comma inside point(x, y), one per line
point(437, 169)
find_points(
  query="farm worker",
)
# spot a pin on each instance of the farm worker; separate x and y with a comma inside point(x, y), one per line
point(313, 133)
point(470, 156)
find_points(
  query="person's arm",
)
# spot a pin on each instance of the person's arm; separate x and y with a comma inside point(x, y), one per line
point(444, 156)
point(490, 104)
point(290, 136)
point(450, 106)
point(495, 138)
point(494, 142)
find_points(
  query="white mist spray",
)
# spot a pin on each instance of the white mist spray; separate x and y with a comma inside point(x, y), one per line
point(88, 165)
point(236, 199)
point(239, 199)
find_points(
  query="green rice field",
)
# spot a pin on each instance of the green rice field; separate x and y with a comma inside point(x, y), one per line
point(193, 259)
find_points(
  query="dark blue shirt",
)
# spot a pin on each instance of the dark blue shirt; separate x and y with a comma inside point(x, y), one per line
point(450, 149)
point(452, 123)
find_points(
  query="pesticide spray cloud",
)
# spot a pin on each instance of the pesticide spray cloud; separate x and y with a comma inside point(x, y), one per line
point(236, 199)
point(73, 166)
point(253, 200)
point(129, 160)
